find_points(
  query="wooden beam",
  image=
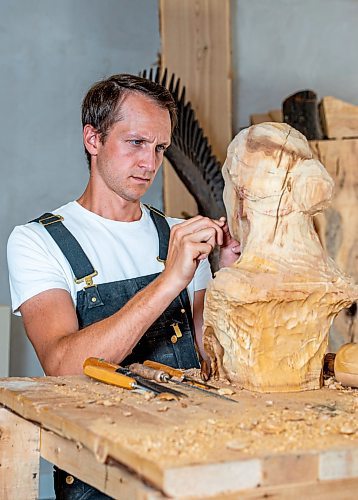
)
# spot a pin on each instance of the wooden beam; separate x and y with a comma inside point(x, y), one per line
point(196, 47)
point(19, 457)
point(112, 479)
point(339, 118)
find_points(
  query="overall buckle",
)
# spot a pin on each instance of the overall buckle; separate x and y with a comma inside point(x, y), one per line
point(51, 219)
point(87, 279)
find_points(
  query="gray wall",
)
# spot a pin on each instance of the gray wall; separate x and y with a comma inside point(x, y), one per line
point(282, 46)
point(50, 53)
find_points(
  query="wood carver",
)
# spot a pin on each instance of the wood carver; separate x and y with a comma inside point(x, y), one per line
point(267, 317)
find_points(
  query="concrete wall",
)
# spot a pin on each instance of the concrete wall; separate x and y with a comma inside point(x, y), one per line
point(282, 46)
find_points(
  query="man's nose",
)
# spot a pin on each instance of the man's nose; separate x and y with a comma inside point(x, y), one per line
point(148, 160)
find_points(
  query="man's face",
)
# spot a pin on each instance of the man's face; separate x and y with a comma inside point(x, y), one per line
point(126, 164)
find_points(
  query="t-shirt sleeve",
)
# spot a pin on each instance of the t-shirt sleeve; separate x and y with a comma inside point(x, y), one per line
point(33, 267)
point(202, 275)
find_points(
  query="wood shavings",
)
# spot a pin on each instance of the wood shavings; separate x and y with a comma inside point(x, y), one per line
point(167, 396)
point(225, 391)
point(127, 414)
point(237, 445)
point(163, 408)
point(149, 396)
point(348, 429)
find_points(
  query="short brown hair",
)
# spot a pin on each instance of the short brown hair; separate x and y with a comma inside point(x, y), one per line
point(102, 103)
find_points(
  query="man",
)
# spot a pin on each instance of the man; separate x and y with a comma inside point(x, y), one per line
point(105, 276)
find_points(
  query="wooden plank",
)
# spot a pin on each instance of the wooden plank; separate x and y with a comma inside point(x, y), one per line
point(4, 340)
point(338, 225)
point(204, 446)
point(339, 118)
point(257, 118)
point(196, 47)
point(19, 457)
point(112, 478)
point(318, 490)
point(276, 115)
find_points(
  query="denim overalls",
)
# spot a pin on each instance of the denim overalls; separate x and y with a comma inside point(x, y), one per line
point(169, 340)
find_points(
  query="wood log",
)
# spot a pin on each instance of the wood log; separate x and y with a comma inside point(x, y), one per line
point(339, 118)
point(267, 317)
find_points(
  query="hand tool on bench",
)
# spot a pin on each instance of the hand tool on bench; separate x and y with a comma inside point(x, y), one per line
point(113, 374)
point(153, 369)
point(177, 373)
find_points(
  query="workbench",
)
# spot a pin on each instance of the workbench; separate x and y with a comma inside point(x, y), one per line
point(130, 445)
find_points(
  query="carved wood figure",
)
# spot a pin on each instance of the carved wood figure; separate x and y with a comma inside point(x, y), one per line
point(266, 318)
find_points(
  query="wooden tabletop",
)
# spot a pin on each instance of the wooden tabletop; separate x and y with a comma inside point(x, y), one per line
point(200, 445)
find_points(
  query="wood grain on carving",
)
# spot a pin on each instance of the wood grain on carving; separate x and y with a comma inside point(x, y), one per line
point(267, 317)
point(196, 47)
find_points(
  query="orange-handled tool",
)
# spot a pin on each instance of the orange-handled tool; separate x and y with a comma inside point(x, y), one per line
point(109, 377)
point(110, 373)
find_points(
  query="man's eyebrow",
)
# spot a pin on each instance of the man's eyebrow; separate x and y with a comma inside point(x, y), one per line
point(141, 137)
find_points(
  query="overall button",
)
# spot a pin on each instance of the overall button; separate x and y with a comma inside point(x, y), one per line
point(70, 479)
point(174, 339)
point(94, 299)
point(182, 311)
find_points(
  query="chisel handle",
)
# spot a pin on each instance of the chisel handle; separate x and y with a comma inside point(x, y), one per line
point(101, 363)
point(109, 377)
point(173, 372)
point(149, 373)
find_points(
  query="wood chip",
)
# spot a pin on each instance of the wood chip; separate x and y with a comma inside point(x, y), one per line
point(166, 396)
point(237, 444)
point(225, 391)
point(127, 414)
point(163, 408)
point(347, 429)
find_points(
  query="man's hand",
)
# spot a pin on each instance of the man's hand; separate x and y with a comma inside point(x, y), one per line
point(230, 249)
point(190, 242)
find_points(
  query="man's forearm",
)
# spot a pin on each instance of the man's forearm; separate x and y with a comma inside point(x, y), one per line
point(112, 338)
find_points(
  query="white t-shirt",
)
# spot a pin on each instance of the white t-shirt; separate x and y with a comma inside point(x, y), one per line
point(117, 251)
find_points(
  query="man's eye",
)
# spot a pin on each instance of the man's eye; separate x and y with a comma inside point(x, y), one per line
point(136, 142)
point(160, 148)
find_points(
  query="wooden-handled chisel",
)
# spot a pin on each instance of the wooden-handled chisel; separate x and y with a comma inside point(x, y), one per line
point(176, 374)
point(113, 374)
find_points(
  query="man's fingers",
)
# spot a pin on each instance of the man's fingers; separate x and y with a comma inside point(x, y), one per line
point(197, 224)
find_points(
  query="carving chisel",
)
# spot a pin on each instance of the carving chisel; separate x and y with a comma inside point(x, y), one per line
point(113, 374)
point(177, 373)
point(172, 372)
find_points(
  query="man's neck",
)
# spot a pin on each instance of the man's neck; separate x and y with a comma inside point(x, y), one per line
point(113, 208)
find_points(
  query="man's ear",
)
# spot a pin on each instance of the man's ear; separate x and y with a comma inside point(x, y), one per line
point(91, 139)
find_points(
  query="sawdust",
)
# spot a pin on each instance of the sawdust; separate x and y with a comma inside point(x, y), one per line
point(277, 426)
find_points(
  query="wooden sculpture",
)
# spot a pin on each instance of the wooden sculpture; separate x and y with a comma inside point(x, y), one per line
point(266, 318)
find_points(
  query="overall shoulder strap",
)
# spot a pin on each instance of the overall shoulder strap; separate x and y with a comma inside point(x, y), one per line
point(72, 250)
point(163, 230)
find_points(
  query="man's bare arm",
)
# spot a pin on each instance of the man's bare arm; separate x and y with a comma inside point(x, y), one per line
point(50, 318)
